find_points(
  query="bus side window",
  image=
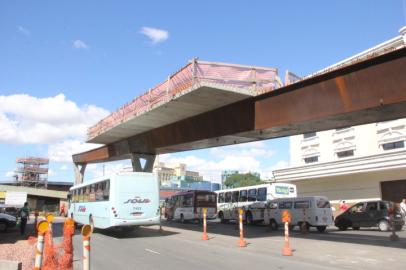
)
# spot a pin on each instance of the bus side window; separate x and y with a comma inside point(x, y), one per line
point(227, 197)
point(243, 196)
point(99, 192)
point(302, 205)
point(87, 194)
point(234, 197)
point(92, 196)
point(106, 190)
point(261, 196)
point(252, 195)
point(221, 198)
point(80, 195)
point(187, 200)
point(285, 205)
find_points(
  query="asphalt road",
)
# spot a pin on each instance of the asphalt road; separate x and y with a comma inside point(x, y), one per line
point(179, 247)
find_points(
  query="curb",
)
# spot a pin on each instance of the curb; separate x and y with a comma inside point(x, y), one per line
point(10, 265)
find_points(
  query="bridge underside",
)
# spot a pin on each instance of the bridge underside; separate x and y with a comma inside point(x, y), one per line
point(370, 91)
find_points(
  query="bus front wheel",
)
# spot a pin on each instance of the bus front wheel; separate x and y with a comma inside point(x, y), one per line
point(221, 217)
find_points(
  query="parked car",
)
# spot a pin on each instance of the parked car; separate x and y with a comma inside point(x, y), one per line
point(12, 211)
point(370, 214)
point(7, 221)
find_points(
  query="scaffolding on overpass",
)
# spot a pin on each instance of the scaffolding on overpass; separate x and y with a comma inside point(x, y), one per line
point(196, 73)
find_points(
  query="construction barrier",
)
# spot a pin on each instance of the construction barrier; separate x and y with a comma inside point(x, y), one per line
point(86, 232)
point(242, 242)
point(286, 218)
point(36, 214)
point(50, 256)
point(205, 237)
point(42, 228)
point(66, 261)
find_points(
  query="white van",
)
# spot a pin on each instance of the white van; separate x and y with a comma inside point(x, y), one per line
point(314, 211)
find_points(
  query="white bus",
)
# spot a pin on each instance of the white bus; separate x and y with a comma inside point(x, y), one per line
point(312, 211)
point(188, 205)
point(124, 199)
point(251, 197)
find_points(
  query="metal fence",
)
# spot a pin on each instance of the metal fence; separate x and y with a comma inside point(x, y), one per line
point(194, 74)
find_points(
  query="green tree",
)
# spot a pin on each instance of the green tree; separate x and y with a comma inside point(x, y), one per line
point(242, 180)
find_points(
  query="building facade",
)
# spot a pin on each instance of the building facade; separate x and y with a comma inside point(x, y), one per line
point(356, 163)
point(167, 173)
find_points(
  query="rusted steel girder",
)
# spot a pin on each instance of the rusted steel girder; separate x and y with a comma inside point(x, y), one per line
point(370, 91)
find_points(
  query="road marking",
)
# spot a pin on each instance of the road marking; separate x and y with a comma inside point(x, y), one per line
point(149, 250)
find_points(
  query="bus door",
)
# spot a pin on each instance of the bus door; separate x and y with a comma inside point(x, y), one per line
point(235, 205)
point(228, 207)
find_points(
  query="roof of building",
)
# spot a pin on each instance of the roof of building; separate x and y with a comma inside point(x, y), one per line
point(36, 191)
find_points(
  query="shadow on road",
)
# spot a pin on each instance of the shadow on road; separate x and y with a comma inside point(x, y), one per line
point(140, 232)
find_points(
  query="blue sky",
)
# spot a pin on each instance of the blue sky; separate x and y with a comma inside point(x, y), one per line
point(66, 64)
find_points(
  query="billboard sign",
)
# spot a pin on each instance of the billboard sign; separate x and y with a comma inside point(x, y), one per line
point(15, 198)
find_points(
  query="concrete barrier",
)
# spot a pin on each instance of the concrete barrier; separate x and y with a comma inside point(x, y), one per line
point(10, 265)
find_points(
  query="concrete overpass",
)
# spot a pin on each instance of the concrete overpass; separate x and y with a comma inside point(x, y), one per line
point(366, 91)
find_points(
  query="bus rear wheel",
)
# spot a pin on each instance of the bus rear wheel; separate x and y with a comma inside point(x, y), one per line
point(273, 225)
point(321, 228)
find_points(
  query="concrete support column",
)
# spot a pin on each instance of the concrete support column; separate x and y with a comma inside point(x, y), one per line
point(79, 172)
point(136, 162)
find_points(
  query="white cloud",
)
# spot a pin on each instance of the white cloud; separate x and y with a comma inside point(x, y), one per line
point(97, 170)
point(10, 174)
point(24, 31)
point(154, 34)
point(242, 157)
point(281, 164)
point(268, 173)
point(51, 172)
point(29, 120)
point(63, 168)
point(251, 149)
point(63, 151)
point(79, 44)
point(211, 170)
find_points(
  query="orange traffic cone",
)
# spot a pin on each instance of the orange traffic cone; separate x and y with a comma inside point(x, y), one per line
point(287, 251)
point(204, 237)
point(242, 242)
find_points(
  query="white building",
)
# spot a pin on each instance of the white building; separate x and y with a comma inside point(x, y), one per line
point(354, 163)
point(166, 172)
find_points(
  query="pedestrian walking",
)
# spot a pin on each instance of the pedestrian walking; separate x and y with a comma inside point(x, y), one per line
point(62, 211)
point(24, 217)
point(343, 206)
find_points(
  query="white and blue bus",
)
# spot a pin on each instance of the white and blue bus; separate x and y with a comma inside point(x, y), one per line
point(250, 198)
point(125, 199)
